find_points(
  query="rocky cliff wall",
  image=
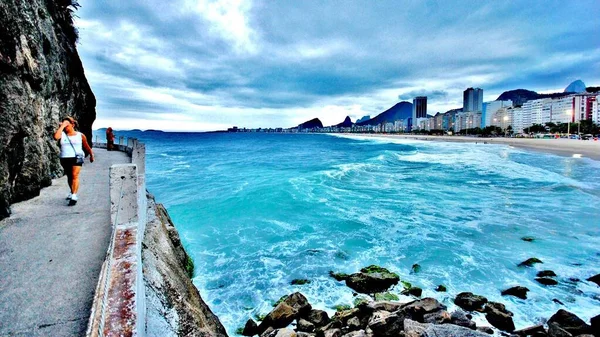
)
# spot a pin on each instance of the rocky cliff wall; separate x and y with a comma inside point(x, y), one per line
point(173, 304)
point(41, 81)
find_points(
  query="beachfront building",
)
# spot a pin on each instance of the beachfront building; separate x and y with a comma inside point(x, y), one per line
point(518, 120)
point(562, 110)
point(438, 121)
point(504, 117)
point(596, 110)
point(537, 110)
point(473, 99)
point(419, 107)
point(449, 119)
point(489, 108)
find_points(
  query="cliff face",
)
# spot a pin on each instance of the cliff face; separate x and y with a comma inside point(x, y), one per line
point(173, 304)
point(41, 81)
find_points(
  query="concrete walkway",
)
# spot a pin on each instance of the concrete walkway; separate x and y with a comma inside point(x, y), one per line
point(51, 254)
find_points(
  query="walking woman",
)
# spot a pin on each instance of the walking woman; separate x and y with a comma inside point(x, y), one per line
point(73, 145)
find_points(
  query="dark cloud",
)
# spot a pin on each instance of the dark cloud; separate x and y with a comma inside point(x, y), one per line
point(279, 55)
point(431, 94)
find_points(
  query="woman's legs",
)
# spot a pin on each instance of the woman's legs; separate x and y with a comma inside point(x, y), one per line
point(74, 181)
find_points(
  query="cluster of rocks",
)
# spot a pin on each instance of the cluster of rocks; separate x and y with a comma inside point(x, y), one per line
point(294, 315)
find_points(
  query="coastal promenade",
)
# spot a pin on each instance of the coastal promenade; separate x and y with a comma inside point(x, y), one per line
point(51, 255)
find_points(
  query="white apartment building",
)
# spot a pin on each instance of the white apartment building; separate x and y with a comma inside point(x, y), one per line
point(504, 117)
point(562, 110)
point(489, 108)
point(535, 109)
point(518, 120)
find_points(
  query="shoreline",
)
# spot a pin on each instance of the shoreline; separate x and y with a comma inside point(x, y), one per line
point(562, 147)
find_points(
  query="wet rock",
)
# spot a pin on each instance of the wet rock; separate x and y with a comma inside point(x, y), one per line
point(415, 268)
point(354, 324)
point(546, 281)
point(440, 288)
point(332, 333)
point(305, 334)
point(554, 330)
point(460, 318)
point(485, 329)
point(384, 305)
point(438, 317)
point(386, 297)
point(528, 238)
point(338, 276)
point(372, 279)
point(570, 323)
point(344, 315)
point(299, 303)
point(304, 325)
point(387, 325)
point(546, 273)
point(530, 262)
point(530, 331)
point(300, 281)
point(413, 291)
point(469, 301)
point(318, 317)
point(359, 333)
point(556, 300)
point(499, 317)
point(416, 329)
point(268, 332)
point(250, 329)
point(280, 317)
point(283, 333)
point(518, 291)
point(595, 323)
point(595, 279)
point(416, 310)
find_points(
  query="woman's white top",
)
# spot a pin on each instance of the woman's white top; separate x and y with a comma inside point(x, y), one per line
point(66, 150)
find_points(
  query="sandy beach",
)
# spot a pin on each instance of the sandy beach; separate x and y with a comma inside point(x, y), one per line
point(564, 147)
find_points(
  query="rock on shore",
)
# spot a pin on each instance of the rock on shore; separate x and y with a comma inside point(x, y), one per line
point(173, 304)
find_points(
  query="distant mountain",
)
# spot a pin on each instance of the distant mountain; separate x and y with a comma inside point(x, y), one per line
point(399, 111)
point(365, 118)
point(576, 86)
point(520, 96)
point(313, 123)
point(346, 123)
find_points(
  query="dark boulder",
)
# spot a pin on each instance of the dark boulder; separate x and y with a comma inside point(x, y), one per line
point(530, 262)
point(595, 279)
point(372, 279)
point(250, 329)
point(570, 323)
point(437, 317)
point(469, 301)
point(413, 291)
point(441, 288)
point(546, 281)
point(485, 329)
point(318, 317)
point(304, 325)
point(422, 307)
point(387, 324)
point(460, 318)
point(555, 330)
point(518, 291)
point(595, 323)
point(546, 273)
point(299, 303)
point(416, 329)
point(280, 317)
point(530, 331)
point(499, 317)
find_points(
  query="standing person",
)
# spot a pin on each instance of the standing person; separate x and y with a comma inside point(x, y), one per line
point(110, 139)
point(73, 145)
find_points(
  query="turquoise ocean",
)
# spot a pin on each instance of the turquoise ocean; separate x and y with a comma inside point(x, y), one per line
point(256, 211)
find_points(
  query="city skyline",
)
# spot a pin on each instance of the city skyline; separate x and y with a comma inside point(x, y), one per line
point(207, 65)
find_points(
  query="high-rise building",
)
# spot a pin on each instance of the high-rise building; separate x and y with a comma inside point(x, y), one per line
point(489, 108)
point(419, 107)
point(473, 100)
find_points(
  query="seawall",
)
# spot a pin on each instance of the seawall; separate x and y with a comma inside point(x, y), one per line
point(145, 285)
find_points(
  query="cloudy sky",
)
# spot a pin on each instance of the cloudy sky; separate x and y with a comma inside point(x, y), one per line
point(197, 65)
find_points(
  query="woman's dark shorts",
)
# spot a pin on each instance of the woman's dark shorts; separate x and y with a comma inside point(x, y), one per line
point(68, 163)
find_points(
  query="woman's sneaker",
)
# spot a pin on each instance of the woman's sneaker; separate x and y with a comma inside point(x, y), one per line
point(69, 196)
point(73, 200)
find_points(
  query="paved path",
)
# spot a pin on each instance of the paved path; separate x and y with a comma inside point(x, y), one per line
point(51, 254)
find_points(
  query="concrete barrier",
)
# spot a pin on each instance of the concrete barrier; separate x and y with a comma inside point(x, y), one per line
point(119, 303)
